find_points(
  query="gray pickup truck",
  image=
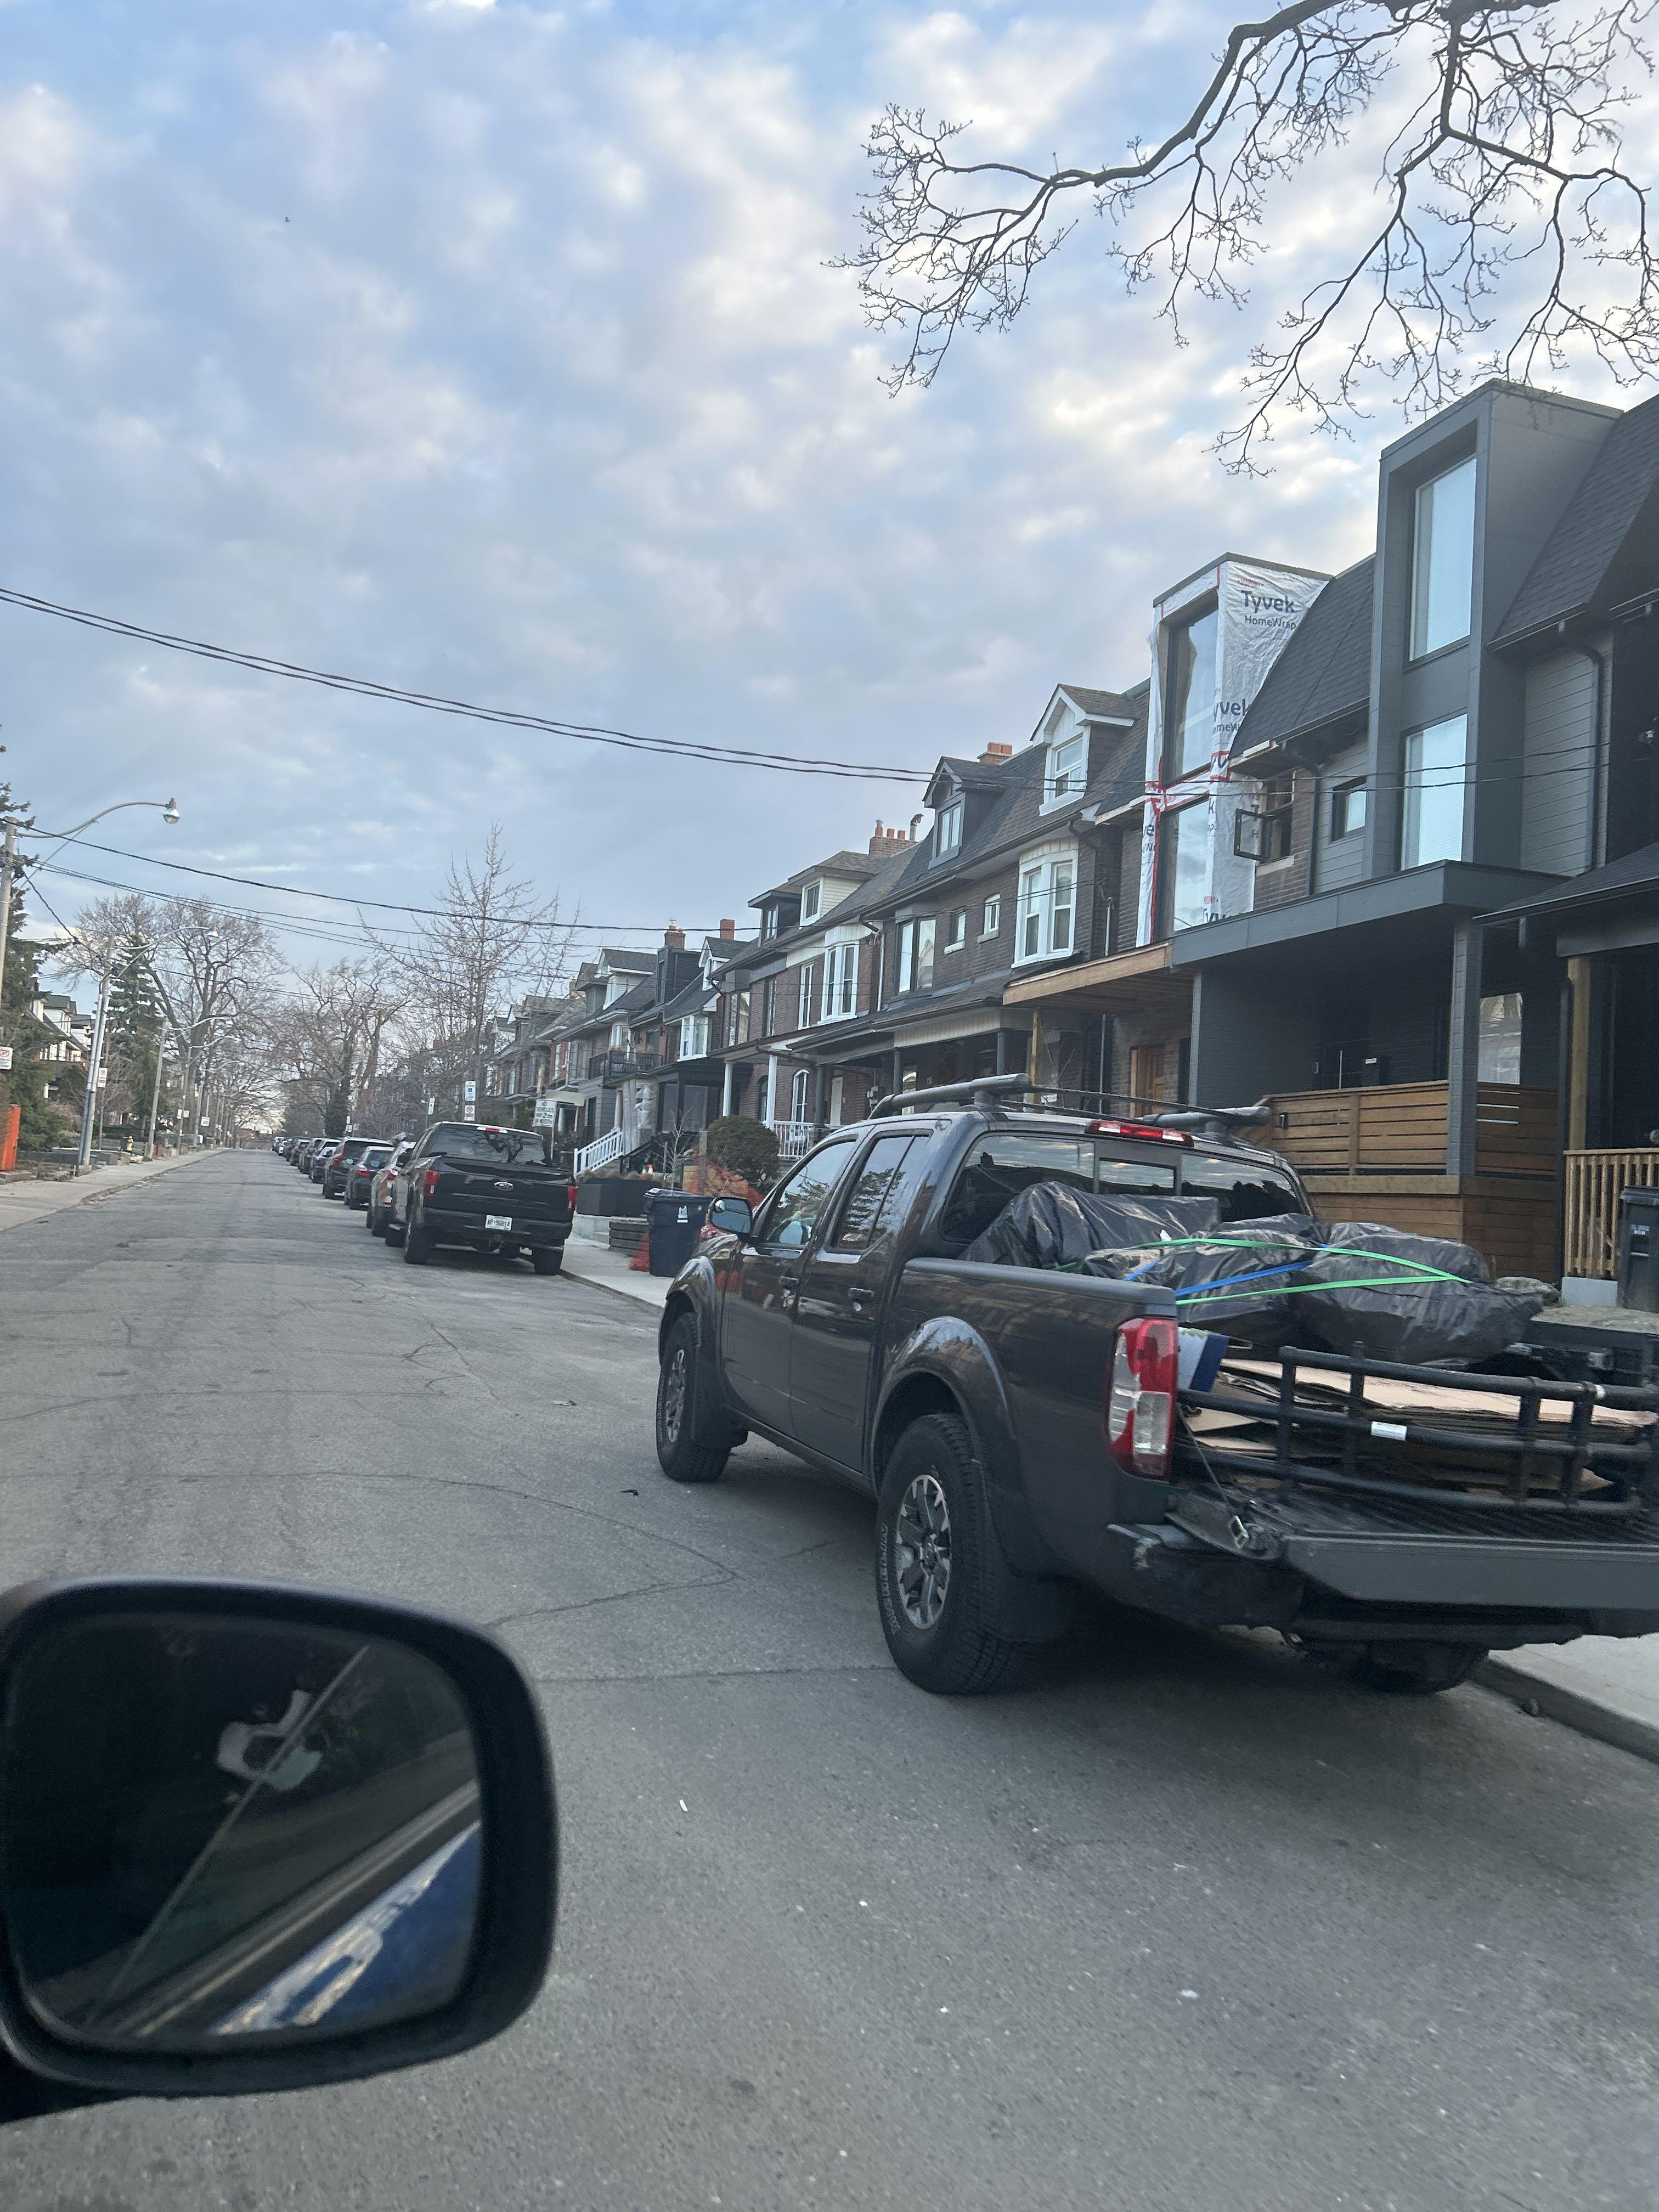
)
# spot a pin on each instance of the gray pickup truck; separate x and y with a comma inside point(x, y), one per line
point(1024, 1432)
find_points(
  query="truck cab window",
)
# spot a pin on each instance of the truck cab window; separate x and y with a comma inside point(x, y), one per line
point(793, 1211)
point(880, 1198)
point(1131, 1178)
point(1001, 1164)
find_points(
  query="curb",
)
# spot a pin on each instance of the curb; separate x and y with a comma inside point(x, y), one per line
point(617, 1290)
point(87, 1191)
point(1570, 1707)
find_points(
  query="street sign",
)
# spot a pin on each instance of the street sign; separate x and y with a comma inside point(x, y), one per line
point(5, 1060)
point(103, 1077)
point(546, 1114)
point(469, 1091)
point(469, 1112)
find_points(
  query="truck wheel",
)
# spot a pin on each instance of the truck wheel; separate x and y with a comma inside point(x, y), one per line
point(933, 1584)
point(1406, 1670)
point(418, 1241)
point(392, 1232)
point(546, 1261)
point(681, 1454)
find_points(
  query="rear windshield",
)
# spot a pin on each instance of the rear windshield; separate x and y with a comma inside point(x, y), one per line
point(376, 1156)
point(464, 1143)
point(1004, 1162)
point(1248, 1191)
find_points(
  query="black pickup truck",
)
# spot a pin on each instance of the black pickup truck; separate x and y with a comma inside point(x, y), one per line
point(494, 1189)
point(1024, 1430)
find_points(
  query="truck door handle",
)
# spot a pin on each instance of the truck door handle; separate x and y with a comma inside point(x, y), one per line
point(788, 1285)
point(858, 1300)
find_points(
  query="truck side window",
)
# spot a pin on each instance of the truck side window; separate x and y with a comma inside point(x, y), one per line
point(1247, 1192)
point(879, 1199)
point(792, 1211)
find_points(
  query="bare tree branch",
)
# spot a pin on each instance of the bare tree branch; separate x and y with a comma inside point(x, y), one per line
point(1504, 195)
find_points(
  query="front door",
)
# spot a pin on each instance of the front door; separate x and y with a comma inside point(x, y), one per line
point(838, 1306)
point(757, 1313)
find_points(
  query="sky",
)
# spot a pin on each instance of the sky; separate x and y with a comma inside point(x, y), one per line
point(493, 351)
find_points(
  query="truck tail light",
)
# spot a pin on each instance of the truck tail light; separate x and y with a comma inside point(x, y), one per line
point(430, 1181)
point(1140, 1401)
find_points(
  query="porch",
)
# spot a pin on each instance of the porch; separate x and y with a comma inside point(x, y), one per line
point(1589, 1205)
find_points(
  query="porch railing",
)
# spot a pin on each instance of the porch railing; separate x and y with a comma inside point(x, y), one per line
point(1401, 1129)
point(1589, 1212)
point(603, 1151)
point(793, 1138)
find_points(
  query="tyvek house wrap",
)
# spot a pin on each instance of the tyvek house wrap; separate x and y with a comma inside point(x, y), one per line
point(1259, 605)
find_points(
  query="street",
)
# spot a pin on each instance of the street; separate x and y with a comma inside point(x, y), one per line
point(1185, 1926)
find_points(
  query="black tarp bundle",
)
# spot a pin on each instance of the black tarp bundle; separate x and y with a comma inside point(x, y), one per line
point(1051, 1224)
point(1358, 1288)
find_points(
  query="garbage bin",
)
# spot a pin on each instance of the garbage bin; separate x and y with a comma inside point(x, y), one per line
point(672, 1220)
point(1638, 1249)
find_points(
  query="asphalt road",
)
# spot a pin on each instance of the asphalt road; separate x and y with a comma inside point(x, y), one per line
point(1184, 1928)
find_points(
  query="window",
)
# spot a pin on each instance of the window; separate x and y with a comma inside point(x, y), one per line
point(990, 922)
point(1189, 695)
point(1432, 829)
point(840, 981)
point(794, 1210)
point(1000, 1167)
point(1132, 1178)
point(809, 901)
point(694, 1036)
point(915, 954)
point(1263, 834)
point(1047, 899)
point(1067, 767)
point(1347, 809)
point(1500, 1038)
point(1186, 854)
point(807, 1012)
point(737, 1021)
point(767, 1008)
point(956, 930)
point(880, 1198)
point(947, 827)
point(1443, 559)
point(798, 1089)
point(619, 1036)
point(1243, 1197)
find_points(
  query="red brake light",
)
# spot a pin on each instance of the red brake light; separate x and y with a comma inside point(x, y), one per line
point(431, 1181)
point(1140, 1129)
point(1140, 1401)
point(570, 1196)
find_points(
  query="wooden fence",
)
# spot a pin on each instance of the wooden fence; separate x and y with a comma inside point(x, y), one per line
point(1401, 1129)
point(1590, 1207)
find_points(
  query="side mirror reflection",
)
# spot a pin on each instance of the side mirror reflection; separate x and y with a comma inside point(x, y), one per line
point(230, 1826)
point(733, 1216)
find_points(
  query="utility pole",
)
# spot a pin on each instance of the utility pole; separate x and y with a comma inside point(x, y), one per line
point(95, 1061)
point(7, 861)
point(154, 1097)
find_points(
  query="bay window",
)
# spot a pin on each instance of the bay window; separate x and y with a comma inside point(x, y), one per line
point(841, 973)
point(1046, 926)
point(694, 1036)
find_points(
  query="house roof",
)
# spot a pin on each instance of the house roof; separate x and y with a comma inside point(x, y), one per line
point(858, 865)
point(1100, 706)
point(1578, 569)
point(1324, 671)
point(763, 950)
point(1637, 871)
point(626, 961)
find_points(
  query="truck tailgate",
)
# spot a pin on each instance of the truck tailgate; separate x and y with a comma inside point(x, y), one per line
point(485, 1192)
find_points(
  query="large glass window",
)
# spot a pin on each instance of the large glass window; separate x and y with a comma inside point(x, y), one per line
point(1189, 695)
point(1186, 842)
point(796, 1205)
point(947, 827)
point(916, 948)
point(1500, 1038)
point(1432, 828)
point(1443, 559)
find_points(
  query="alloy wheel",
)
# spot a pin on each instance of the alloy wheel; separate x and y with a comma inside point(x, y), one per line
point(674, 1386)
point(922, 1541)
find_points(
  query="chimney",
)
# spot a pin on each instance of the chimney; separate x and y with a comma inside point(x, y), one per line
point(886, 842)
point(673, 938)
point(728, 929)
point(992, 754)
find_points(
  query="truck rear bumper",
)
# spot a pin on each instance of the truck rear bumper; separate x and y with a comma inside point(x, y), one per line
point(451, 1228)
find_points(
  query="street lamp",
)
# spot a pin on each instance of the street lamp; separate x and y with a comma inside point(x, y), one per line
point(169, 812)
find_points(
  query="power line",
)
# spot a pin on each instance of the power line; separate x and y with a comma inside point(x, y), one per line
point(363, 687)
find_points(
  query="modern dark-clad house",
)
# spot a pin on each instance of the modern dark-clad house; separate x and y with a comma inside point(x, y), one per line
point(1450, 732)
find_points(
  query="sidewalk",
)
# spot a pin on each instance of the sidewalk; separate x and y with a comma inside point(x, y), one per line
point(1602, 1686)
point(26, 1198)
point(592, 1262)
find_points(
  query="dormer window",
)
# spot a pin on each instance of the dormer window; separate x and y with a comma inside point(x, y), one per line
point(947, 829)
point(809, 901)
point(1068, 766)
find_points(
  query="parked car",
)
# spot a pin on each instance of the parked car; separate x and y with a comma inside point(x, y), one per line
point(361, 1172)
point(300, 1158)
point(321, 1153)
point(381, 1190)
point(345, 1156)
point(1024, 1432)
point(492, 1190)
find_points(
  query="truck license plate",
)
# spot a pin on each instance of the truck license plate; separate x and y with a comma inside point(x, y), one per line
point(498, 1221)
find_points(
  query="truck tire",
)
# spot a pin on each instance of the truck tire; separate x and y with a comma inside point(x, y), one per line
point(418, 1242)
point(1404, 1670)
point(681, 1452)
point(392, 1232)
point(933, 1581)
point(545, 1260)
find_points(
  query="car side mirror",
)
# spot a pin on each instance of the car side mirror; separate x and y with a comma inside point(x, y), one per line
point(255, 1838)
point(735, 1217)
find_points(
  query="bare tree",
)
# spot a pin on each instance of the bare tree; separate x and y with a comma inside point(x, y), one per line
point(1510, 236)
point(493, 941)
point(327, 1038)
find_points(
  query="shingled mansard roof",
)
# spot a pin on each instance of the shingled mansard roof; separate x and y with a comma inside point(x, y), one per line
point(1578, 570)
point(1325, 669)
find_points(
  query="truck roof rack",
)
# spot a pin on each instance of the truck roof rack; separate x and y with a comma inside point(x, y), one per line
point(986, 1091)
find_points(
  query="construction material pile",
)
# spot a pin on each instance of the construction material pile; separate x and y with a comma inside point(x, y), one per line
point(1358, 1288)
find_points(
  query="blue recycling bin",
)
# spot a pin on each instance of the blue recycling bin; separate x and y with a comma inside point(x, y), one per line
point(673, 1221)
